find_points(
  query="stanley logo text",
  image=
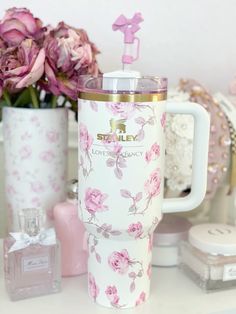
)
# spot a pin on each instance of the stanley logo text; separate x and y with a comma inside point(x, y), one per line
point(117, 132)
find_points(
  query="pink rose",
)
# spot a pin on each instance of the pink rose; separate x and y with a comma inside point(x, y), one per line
point(150, 242)
point(92, 286)
point(153, 184)
point(149, 271)
point(155, 149)
point(94, 200)
point(37, 187)
point(163, 120)
point(1, 87)
point(69, 54)
point(123, 110)
point(135, 229)
point(47, 156)
point(148, 156)
point(111, 293)
point(52, 136)
point(25, 152)
point(86, 140)
point(21, 66)
point(19, 24)
point(119, 261)
point(153, 153)
point(141, 298)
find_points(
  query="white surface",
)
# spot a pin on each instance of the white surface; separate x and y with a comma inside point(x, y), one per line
point(200, 157)
point(171, 293)
point(184, 38)
point(214, 238)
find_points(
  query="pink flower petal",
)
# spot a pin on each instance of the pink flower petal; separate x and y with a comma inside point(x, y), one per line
point(36, 71)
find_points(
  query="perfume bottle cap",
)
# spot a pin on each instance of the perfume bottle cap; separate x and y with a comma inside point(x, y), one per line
point(73, 189)
point(30, 221)
point(216, 239)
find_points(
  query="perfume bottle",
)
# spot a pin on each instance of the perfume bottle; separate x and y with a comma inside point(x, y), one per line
point(71, 233)
point(32, 258)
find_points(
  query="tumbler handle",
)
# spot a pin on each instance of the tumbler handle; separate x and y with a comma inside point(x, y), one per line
point(200, 157)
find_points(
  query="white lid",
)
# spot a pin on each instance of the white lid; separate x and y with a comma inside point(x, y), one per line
point(214, 238)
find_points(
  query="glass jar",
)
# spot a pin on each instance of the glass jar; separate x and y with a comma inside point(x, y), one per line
point(209, 257)
point(166, 240)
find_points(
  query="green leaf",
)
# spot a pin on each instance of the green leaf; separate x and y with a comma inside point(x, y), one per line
point(3, 103)
point(24, 99)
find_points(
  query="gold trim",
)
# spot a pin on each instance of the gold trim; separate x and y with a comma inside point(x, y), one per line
point(123, 97)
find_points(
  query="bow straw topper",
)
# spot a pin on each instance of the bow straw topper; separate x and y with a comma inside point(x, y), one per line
point(129, 27)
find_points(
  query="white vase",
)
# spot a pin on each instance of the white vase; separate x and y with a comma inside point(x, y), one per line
point(35, 152)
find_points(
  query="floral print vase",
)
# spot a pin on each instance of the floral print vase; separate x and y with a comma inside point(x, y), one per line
point(35, 151)
point(121, 192)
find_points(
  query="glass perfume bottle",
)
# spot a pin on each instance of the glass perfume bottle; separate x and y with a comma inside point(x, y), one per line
point(32, 258)
point(71, 234)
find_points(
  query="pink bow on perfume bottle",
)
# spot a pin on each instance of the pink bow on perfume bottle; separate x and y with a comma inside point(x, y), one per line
point(128, 26)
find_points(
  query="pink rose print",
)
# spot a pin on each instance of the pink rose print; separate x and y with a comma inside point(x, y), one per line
point(119, 261)
point(133, 209)
point(36, 201)
point(111, 293)
point(94, 106)
point(10, 190)
point(35, 120)
point(121, 109)
point(149, 271)
point(92, 287)
point(94, 201)
point(55, 186)
point(163, 120)
point(143, 123)
point(141, 298)
point(153, 153)
point(105, 230)
point(93, 248)
point(52, 136)
point(37, 187)
point(135, 230)
point(47, 156)
point(150, 241)
point(16, 175)
point(86, 140)
point(26, 136)
point(115, 159)
point(153, 184)
point(152, 188)
point(25, 152)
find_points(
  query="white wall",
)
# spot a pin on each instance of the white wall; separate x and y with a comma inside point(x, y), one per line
point(179, 38)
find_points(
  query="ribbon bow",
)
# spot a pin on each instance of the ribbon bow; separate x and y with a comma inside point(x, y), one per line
point(128, 26)
point(23, 240)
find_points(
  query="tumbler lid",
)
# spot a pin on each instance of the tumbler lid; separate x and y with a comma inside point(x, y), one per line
point(123, 89)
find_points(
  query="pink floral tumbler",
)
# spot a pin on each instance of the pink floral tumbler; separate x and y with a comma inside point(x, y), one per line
point(121, 175)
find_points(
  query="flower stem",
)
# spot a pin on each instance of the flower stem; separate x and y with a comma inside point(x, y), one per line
point(33, 96)
point(54, 101)
point(7, 98)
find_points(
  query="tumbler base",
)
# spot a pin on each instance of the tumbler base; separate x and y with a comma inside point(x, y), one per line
point(119, 271)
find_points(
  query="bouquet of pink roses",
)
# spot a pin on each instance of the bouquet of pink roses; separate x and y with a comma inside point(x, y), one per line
point(39, 63)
